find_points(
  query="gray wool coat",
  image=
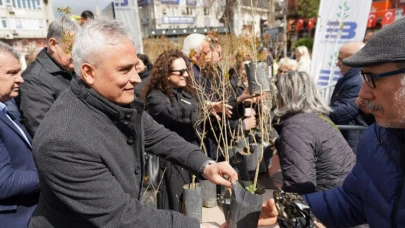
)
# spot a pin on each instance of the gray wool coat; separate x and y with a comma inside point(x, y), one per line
point(89, 154)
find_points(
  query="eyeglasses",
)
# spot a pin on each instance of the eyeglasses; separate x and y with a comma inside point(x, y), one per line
point(369, 78)
point(181, 71)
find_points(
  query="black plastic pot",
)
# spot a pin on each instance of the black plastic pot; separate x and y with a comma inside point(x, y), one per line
point(259, 71)
point(245, 206)
point(209, 193)
point(238, 162)
point(192, 199)
point(252, 159)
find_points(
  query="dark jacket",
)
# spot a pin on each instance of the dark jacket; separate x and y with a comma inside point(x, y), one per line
point(145, 76)
point(18, 175)
point(90, 157)
point(314, 156)
point(177, 114)
point(344, 110)
point(13, 110)
point(374, 191)
point(45, 80)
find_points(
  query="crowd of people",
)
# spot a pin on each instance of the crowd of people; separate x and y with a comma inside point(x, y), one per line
point(76, 125)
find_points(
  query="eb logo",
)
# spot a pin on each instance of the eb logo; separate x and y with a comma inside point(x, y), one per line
point(121, 3)
point(346, 30)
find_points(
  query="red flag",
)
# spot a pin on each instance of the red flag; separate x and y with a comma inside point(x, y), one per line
point(311, 23)
point(389, 17)
point(300, 24)
point(372, 20)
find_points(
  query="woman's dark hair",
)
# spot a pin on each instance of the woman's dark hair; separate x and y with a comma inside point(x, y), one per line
point(145, 60)
point(163, 66)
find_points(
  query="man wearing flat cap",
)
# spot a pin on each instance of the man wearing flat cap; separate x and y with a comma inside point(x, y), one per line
point(374, 191)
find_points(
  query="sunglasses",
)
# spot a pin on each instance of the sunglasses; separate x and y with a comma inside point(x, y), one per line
point(369, 78)
point(181, 72)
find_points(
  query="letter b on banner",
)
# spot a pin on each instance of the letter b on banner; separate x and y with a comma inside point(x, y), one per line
point(347, 30)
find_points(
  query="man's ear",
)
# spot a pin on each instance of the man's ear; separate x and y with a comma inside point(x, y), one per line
point(52, 45)
point(88, 73)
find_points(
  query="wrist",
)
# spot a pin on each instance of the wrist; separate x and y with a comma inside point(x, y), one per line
point(204, 166)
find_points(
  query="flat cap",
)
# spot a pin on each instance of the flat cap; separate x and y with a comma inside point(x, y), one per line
point(387, 45)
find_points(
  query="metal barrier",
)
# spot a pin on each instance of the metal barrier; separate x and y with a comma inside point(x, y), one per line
point(326, 92)
point(359, 130)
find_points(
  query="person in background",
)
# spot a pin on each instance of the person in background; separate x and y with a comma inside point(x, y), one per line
point(86, 16)
point(89, 150)
point(49, 75)
point(314, 156)
point(19, 182)
point(374, 191)
point(304, 59)
point(144, 69)
point(170, 101)
point(286, 64)
point(342, 102)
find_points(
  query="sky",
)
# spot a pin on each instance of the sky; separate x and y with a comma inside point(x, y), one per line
point(78, 6)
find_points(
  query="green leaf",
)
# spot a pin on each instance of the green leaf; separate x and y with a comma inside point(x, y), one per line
point(340, 7)
point(346, 16)
point(251, 189)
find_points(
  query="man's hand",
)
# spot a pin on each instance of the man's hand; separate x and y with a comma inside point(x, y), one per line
point(218, 107)
point(245, 95)
point(250, 123)
point(216, 172)
point(269, 214)
point(250, 112)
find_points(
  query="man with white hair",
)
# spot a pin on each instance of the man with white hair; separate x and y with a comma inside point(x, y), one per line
point(342, 102)
point(49, 75)
point(374, 192)
point(89, 150)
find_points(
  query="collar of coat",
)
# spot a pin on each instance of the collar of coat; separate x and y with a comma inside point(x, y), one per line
point(50, 65)
point(123, 117)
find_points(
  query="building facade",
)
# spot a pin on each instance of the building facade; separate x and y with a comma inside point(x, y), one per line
point(181, 17)
point(24, 24)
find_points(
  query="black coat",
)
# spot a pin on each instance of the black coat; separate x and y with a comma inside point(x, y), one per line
point(314, 156)
point(45, 80)
point(177, 114)
point(344, 110)
point(90, 158)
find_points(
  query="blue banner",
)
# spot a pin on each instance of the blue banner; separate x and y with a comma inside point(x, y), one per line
point(171, 2)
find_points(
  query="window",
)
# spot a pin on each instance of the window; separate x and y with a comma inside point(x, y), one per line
point(164, 11)
point(3, 22)
point(18, 4)
point(24, 3)
point(189, 11)
point(29, 4)
point(1, 2)
point(206, 11)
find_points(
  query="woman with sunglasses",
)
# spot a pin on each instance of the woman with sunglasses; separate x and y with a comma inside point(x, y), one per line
point(169, 98)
